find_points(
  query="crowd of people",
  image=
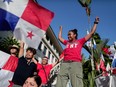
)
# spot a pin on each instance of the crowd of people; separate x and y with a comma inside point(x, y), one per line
point(31, 73)
point(29, 69)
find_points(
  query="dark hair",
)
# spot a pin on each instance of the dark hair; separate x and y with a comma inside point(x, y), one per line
point(32, 50)
point(37, 80)
point(45, 57)
point(74, 31)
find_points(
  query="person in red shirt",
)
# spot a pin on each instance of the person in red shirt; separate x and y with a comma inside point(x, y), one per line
point(71, 68)
point(44, 69)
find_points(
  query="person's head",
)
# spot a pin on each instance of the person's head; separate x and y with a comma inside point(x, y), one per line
point(72, 34)
point(34, 81)
point(45, 60)
point(30, 52)
point(14, 50)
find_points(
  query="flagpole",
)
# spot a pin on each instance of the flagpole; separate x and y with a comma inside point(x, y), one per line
point(91, 56)
point(110, 81)
point(92, 61)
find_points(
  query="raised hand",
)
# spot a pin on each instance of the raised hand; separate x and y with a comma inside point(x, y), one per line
point(97, 20)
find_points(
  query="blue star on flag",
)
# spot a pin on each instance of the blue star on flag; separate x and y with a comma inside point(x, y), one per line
point(8, 1)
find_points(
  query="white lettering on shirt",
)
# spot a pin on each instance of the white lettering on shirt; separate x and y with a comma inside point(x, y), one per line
point(74, 45)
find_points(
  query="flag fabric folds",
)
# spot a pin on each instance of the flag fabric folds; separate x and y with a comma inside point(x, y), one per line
point(114, 61)
point(114, 64)
point(8, 65)
point(102, 65)
point(97, 66)
point(28, 20)
point(106, 81)
point(112, 51)
point(102, 81)
point(108, 69)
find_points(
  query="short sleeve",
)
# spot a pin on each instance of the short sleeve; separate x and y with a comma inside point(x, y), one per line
point(82, 41)
point(38, 66)
point(65, 42)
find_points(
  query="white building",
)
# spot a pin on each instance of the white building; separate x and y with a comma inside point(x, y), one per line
point(49, 46)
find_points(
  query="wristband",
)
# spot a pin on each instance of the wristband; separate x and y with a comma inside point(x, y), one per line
point(95, 22)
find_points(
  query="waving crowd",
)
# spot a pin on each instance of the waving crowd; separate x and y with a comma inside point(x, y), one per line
point(31, 73)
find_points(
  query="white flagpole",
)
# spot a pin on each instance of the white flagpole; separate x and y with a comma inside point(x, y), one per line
point(110, 84)
point(92, 60)
point(91, 47)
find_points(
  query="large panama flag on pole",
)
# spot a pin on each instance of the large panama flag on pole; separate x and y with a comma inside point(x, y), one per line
point(28, 20)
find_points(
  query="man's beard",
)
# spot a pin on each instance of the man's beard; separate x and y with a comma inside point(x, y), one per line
point(28, 58)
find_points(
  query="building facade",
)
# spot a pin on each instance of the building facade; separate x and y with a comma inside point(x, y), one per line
point(49, 46)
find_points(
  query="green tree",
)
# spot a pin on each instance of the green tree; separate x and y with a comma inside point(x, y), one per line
point(5, 43)
point(95, 52)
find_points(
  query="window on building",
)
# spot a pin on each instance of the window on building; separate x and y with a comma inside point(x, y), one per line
point(44, 51)
point(55, 60)
point(58, 54)
point(53, 47)
point(47, 37)
point(51, 43)
point(57, 51)
point(40, 46)
point(52, 58)
point(49, 53)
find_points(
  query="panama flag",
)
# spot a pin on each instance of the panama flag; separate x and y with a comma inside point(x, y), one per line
point(28, 20)
point(8, 65)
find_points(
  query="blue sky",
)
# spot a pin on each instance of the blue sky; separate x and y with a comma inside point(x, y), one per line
point(70, 14)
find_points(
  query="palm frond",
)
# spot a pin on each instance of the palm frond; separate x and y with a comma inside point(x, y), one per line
point(6, 42)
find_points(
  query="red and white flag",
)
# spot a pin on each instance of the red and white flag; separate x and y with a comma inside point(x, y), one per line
point(97, 66)
point(8, 65)
point(102, 66)
point(28, 20)
point(108, 68)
